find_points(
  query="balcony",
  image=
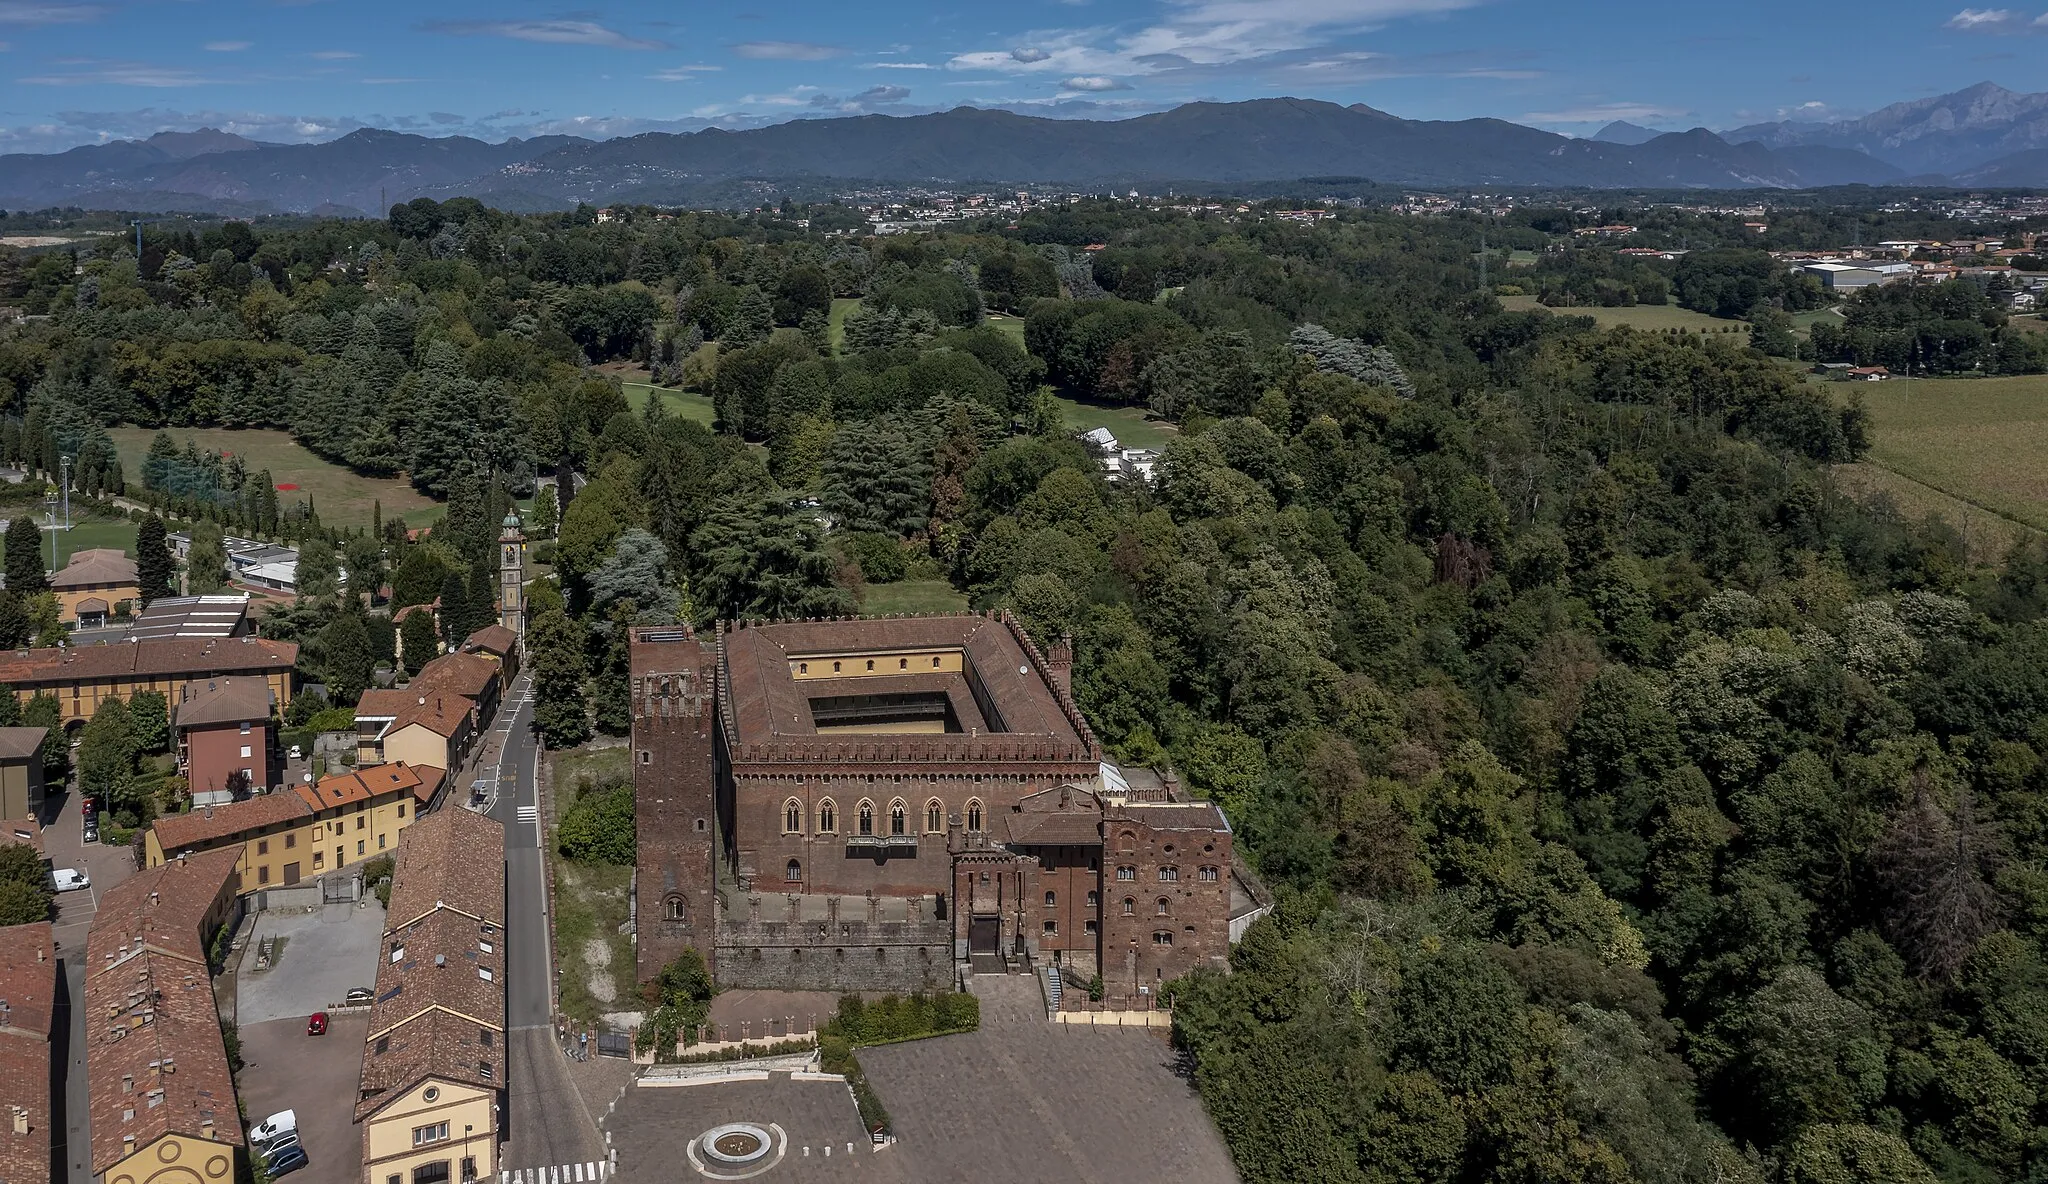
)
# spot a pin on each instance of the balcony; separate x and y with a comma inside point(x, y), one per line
point(885, 842)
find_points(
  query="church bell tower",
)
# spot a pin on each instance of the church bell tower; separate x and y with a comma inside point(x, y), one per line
point(512, 577)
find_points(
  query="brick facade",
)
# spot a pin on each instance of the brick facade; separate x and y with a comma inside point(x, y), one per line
point(674, 799)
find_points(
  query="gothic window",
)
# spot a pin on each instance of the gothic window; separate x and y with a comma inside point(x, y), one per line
point(1162, 938)
point(1049, 899)
point(828, 819)
point(974, 814)
point(934, 816)
point(1092, 900)
point(674, 908)
point(1169, 875)
point(897, 825)
point(794, 872)
point(1161, 910)
point(1127, 873)
point(1208, 875)
point(1130, 907)
point(792, 817)
point(867, 818)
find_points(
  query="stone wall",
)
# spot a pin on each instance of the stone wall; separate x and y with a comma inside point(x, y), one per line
point(674, 800)
point(843, 956)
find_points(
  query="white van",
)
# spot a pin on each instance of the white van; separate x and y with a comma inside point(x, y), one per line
point(281, 1123)
point(69, 879)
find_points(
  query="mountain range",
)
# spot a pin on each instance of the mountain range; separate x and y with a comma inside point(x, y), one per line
point(1981, 136)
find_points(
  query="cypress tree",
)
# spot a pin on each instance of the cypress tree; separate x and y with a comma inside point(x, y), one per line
point(24, 562)
point(153, 567)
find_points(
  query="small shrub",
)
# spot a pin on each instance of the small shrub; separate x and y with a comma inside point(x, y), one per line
point(599, 827)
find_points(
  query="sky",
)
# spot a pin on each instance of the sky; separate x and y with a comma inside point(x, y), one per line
point(306, 70)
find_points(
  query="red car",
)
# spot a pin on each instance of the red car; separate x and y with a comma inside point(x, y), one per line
point(317, 1026)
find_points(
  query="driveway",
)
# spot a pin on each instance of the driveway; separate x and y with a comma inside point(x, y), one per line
point(316, 1076)
point(324, 953)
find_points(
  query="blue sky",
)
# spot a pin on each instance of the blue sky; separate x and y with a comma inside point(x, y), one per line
point(293, 70)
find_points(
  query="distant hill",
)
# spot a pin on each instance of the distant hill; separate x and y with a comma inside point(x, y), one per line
point(1259, 140)
point(1622, 131)
point(1950, 134)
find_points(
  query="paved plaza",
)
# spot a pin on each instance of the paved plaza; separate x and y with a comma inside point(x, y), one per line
point(1021, 1101)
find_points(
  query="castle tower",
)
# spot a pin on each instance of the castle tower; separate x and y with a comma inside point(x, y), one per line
point(512, 577)
point(675, 798)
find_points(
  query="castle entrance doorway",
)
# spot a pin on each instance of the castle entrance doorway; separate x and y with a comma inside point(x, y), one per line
point(984, 935)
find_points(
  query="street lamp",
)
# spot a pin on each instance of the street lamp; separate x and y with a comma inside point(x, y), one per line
point(468, 1166)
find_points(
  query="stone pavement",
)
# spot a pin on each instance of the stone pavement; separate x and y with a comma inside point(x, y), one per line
point(325, 953)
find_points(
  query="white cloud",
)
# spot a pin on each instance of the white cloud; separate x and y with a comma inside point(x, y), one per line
point(90, 73)
point(898, 66)
point(787, 51)
point(555, 32)
point(1029, 53)
point(683, 73)
point(1996, 20)
point(1094, 82)
point(334, 55)
point(226, 46)
point(1605, 113)
point(23, 12)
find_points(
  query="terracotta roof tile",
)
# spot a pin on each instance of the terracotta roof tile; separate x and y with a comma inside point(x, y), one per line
point(362, 785)
point(21, 743)
point(225, 701)
point(28, 986)
point(182, 657)
point(95, 567)
point(496, 639)
point(211, 825)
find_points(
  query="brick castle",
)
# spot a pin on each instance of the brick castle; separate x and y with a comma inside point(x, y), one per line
point(864, 804)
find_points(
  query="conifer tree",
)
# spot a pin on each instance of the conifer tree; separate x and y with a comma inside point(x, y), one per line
point(24, 563)
point(153, 565)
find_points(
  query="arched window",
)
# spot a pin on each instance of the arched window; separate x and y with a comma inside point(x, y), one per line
point(1130, 907)
point(871, 663)
point(828, 818)
point(935, 661)
point(794, 872)
point(1127, 841)
point(974, 814)
point(1208, 875)
point(792, 817)
point(934, 816)
point(1091, 900)
point(867, 818)
point(1169, 875)
point(1049, 900)
point(1162, 939)
point(1162, 906)
point(674, 908)
point(903, 663)
point(897, 825)
point(835, 667)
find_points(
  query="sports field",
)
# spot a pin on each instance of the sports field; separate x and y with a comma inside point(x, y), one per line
point(1980, 440)
point(341, 497)
point(1654, 317)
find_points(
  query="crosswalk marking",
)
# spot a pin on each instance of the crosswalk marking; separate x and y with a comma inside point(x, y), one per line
point(591, 1172)
point(529, 814)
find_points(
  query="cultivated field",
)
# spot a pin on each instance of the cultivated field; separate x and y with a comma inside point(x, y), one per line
point(1654, 317)
point(1980, 440)
point(1988, 537)
point(342, 498)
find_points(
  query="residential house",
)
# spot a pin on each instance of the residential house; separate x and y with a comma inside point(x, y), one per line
point(83, 677)
point(161, 1098)
point(94, 586)
point(434, 1062)
point(500, 645)
point(21, 774)
point(306, 830)
point(28, 998)
point(226, 741)
point(1868, 374)
point(434, 719)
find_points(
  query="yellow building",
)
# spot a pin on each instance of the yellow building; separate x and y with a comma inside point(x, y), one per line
point(21, 772)
point(160, 1094)
point(93, 586)
point(434, 719)
point(307, 830)
point(434, 1061)
point(82, 677)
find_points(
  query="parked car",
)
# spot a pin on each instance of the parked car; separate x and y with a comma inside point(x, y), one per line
point(277, 1124)
point(69, 879)
point(291, 1160)
point(278, 1146)
point(317, 1026)
point(357, 996)
point(295, 753)
point(92, 829)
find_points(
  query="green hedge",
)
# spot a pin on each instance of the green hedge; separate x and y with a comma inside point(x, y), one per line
point(903, 1017)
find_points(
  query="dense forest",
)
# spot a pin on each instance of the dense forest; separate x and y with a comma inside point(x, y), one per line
point(1640, 807)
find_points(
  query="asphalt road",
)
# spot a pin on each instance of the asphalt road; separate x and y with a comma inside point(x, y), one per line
point(105, 866)
point(548, 1125)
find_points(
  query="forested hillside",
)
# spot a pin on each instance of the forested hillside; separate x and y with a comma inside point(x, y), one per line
point(1640, 807)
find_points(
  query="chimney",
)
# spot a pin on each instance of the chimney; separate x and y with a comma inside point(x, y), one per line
point(1059, 664)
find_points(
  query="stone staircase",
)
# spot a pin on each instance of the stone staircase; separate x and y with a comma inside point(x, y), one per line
point(1052, 989)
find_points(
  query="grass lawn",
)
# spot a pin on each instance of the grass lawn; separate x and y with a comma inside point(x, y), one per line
point(343, 498)
point(118, 533)
point(1655, 317)
point(835, 321)
point(1521, 258)
point(591, 900)
point(687, 404)
point(912, 596)
point(1130, 425)
point(1014, 326)
point(1980, 440)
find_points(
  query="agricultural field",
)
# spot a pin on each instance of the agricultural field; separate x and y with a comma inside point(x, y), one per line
point(911, 596)
point(1654, 317)
point(1133, 426)
point(1987, 537)
point(342, 498)
point(1983, 441)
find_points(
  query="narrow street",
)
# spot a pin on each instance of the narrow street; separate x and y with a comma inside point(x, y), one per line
point(547, 1125)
